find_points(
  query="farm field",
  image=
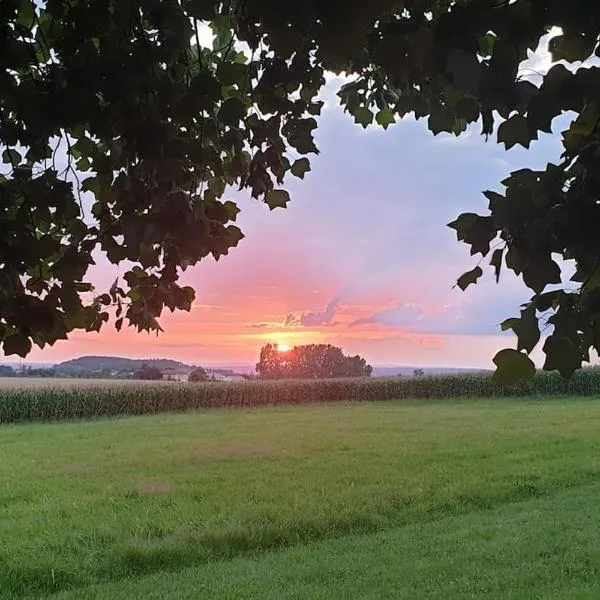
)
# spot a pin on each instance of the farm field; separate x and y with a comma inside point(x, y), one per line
point(492, 498)
point(73, 383)
point(23, 399)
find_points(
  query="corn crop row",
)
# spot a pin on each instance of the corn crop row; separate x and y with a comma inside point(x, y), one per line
point(53, 404)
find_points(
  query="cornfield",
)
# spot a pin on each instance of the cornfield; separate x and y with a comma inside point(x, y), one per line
point(61, 402)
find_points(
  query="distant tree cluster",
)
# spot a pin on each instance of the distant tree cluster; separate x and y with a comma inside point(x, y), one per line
point(198, 374)
point(6, 371)
point(314, 361)
point(149, 373)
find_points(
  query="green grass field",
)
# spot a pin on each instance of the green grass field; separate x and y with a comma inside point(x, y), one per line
point(454, 499)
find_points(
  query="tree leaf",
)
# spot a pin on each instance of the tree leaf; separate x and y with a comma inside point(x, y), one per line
point(221, 26)
point(466, 279)
point(486, 44)
point(572, 47)
point(468, 109)
point(277, 199)
point(496, 262)
point(465, 70)
point(232, 209)
point(542, 109)
point(582, 129)
point(475, 230)
point(17, 343)
point(300, 167)
point(527, 330)
point(440, 120)
point(562, 355)
point(509, 324)
point(91, 184)
point(526, 92)
point(513, 366)
point(463, 223)
point(385, 117)
point(515, 131)
point(548, 300)
point(231, 112)
point(540, 273)
point(231, 73)
point(26, 16)
point(11, 156)
point(487, 122)
point(363, 116)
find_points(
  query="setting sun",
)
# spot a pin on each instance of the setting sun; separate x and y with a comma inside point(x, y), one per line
point(283, 347)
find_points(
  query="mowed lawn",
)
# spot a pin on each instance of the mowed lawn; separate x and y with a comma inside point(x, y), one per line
point(453, 499)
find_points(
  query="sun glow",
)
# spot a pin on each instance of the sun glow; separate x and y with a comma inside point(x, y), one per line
point(283, 347)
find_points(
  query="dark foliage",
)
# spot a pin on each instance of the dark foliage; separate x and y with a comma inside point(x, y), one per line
point(119, 102)
point(314, 361)
point(198, 374)
point(149, 373)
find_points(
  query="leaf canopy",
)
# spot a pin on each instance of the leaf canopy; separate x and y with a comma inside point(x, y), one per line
point(121, 133)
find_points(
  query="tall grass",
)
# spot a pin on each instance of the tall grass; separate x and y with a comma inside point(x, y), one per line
point(52, 403)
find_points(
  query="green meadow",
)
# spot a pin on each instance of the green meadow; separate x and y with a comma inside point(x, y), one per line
point(473, 498)
point(494, 498)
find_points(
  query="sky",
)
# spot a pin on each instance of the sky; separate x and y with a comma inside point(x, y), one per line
point(361, 258)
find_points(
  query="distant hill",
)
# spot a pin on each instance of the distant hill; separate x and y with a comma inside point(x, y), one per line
point(97, 364)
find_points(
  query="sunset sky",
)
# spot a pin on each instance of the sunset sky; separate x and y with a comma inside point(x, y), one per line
point(361, 258)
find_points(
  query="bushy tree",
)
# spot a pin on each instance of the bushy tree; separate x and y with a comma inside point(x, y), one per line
point(6, 371)
point(148, 372)
point(121, 101)
point(314, 361)
point(198, 374)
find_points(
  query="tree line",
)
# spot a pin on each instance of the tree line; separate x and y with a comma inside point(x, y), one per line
point(313, 361)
